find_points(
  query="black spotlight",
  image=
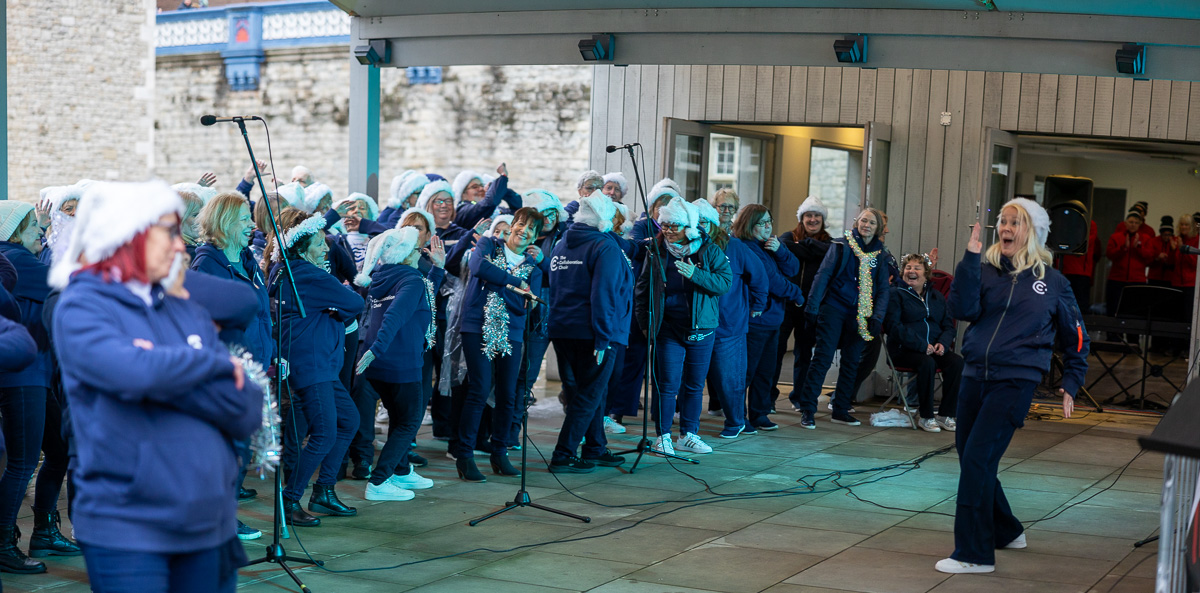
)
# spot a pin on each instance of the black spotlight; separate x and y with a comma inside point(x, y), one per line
point(599, 48)
point(376, 52)
point(851, 48)
point(1131, 59)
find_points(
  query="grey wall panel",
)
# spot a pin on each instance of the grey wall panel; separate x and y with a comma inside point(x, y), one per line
point(935, 145)
point(885, 86)
point(781, 87)
point(865, 109)
point(1027, 111)
point(763, 100)
point(1010, 101)
point(848, 97)
point(729, 92)
point(906, 221)
point(970, 163)
point(1177, 121)
point(814, 93)
point(1160, 108)
point(714, 96)
point(1122, 108)
point(797, 94)
point(1102, 111)
point(1139, 109)
point(901, 134)
point(831, 106)
point(1064, 105)
point(600, 113)
point(947, 214)
point(1047, 110)
point(1085, 101)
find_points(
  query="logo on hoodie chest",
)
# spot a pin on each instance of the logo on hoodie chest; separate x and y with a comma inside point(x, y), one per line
point(1039, 287)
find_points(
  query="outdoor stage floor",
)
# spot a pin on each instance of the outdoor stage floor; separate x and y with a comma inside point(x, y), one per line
point(803, 542)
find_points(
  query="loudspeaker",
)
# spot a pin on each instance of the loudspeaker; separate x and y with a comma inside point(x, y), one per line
point(1068, 200)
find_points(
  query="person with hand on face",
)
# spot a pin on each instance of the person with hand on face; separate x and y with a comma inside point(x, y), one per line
point(144, 371)
point(809, 242)
point(847, 305)
point(438, 200)
point(1130, 252)
point(1021, 311)
point(591, 288)
point(753, 226)
point(686, 284)
point(921, 336)
point(478, 202)
point(56, 214)
point(493, 330)
point(315, 367)
point(400, 303)
point(746, 299)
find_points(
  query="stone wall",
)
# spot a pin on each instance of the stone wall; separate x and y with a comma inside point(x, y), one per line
point(80, 96)
point(534, 118)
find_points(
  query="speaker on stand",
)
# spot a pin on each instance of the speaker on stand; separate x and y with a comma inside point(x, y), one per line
point(1068, 200)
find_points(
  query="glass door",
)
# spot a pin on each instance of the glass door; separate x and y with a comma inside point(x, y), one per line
point(687, 157)
point(998, 179)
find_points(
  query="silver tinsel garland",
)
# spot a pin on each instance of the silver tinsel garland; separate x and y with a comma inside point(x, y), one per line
point(264, 443)
point(495, 310)
point(431, 330)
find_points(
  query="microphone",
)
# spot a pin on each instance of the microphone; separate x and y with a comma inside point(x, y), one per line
point(208, 120)
point(526, 294)
point(1189, 250)
point(622, 147)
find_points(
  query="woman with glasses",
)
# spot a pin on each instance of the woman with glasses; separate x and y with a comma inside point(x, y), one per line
point(809, 242)
point(847, 305)
point(754, 227)
point(590, 182)
point(690, 274)
point(726, 203)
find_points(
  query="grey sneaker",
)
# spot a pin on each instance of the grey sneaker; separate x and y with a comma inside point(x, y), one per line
point(946, 422)
point(929, 425)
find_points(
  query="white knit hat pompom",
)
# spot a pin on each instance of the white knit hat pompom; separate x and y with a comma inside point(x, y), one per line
point(313, 195)
point(679, 212)
point(109, 216)
point(461, 181)
point(372, 208)
point(707, 212)
point(413, 184)
point(292, 194)
point(502, 218)
point(392, 246)
point(394, 199)
point(596, 211)
point(424, 213)
point(1039, 216)
point(618, 178)
point(811, 204)
point(432, 188)
point(589, 175)
point(544, 201)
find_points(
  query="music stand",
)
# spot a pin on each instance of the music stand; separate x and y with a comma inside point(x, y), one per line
point(1150, 304)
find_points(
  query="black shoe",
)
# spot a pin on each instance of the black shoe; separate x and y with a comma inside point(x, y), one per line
point(607, 459)
point(296, 516)
point(416, 460)
point(12, 559)
point(361, 471)
point(768, 425)
point(484, 447)
point(844, 418)
point(467, 470)
point(501, 465)
point(246, 493)
point(571, 465)
point(324, 500)
point(749, 429)
point(807, 420)
point(47, 540)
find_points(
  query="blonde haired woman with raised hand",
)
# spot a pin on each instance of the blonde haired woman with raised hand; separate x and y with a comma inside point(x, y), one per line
point(1019, 309)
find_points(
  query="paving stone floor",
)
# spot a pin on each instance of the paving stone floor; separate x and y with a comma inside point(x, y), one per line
point(680, 528)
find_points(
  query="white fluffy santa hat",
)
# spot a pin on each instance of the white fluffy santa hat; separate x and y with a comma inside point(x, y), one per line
point(392, 246)
point(682, 213)
point(596, 211)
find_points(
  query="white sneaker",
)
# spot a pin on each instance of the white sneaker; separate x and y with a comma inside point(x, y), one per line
point(946, 422)
point(412, 481)
point(427, 420)
point(929, 425)
point(717, 413)
point(1016, 544)
point(663, 444)
point(387, 491)
point(691, 442)
point(612, 426)
point(829, 407)
point(953, 566)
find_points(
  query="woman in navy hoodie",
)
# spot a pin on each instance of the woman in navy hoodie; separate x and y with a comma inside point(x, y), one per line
point(1021, 311)
point(847, 305)
point(144, 372)
point(689, 278)
point(23, 394)
point(400, 329)
point(746, 299)
point(493, 330)
point(753, 226)
point(315, 361)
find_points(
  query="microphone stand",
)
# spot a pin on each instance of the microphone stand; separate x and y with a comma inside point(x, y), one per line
point(275, 553)
point(644, 446)
point(522, 498)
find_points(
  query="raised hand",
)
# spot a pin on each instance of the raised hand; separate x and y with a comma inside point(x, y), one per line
point(208, 179)
point(249, 176)
point(436, 252)
point(771, 244)
point(974, 245)
point(685, 269)
point(43, 212)
point(502, 170)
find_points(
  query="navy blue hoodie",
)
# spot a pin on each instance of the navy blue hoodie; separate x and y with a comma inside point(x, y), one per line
point(30, 294)
point(257, 337)
point(487, 277)
point(748, 293)
point(468, 214)
point(1014, 321)
point(591, 288)
point(317, 341)
point(398, 315)
point(778, 266)
point(836, 283)
point(17, 348)
point(153, 425)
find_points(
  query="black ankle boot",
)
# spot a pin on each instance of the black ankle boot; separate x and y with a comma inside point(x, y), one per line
point(501, 466)
point(296, 516)
point(324, 500)
point(47, 540)
point(12, 559)
point(467, 470)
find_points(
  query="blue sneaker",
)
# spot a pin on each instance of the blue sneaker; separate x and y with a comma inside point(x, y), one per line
point(731, 433)
point(768, 425)
point(749, 429)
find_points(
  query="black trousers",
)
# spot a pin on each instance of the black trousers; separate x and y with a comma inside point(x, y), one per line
point(927, 365)
point(585, 411)
point(403, 403)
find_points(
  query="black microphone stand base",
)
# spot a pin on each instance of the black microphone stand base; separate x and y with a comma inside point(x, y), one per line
point(644, 447)
point(522, 500)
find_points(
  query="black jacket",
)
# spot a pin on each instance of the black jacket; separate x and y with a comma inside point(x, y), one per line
point(916, 321)
point(810, 252)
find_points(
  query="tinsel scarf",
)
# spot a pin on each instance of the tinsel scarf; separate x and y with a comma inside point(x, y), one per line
point(866, 285)
point(495, 310)
point(431, 330)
